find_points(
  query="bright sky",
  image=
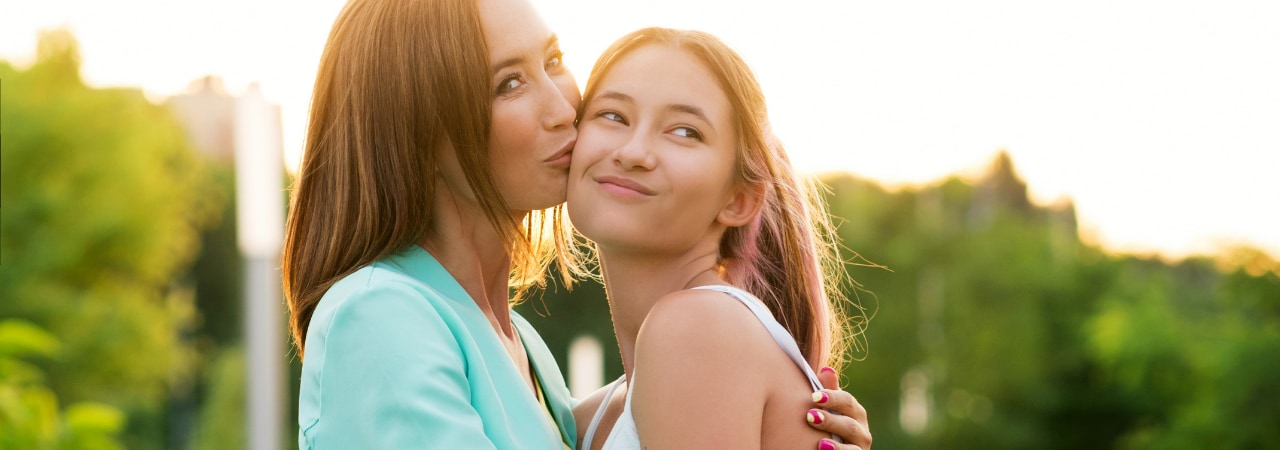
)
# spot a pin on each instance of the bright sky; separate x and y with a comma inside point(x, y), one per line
point(1160, 119)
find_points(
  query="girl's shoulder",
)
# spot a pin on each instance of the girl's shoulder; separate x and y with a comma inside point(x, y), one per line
point(703, 304)
point(697, 348)
point(698, 320)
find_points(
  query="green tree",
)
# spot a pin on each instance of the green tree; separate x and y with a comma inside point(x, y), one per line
point(102, 206)
point(1192, 348)
point(1025, 337)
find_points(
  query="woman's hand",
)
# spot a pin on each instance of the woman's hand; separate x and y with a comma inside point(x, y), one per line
point(838, 413)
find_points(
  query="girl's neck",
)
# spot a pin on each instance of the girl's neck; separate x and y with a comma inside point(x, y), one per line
point(634, 282)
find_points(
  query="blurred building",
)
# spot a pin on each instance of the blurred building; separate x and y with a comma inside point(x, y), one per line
point(207, 113)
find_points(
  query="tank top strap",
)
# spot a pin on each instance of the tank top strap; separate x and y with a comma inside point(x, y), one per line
point(780, 334)
point(604, 404)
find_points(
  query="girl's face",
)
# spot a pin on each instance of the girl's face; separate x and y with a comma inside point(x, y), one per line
point(535, 99)
point(654, 165)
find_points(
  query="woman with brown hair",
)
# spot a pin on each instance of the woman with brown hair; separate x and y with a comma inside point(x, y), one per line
point(436, 162)
point(436, 158)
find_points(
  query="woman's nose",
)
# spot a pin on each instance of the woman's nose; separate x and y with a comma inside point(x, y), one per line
point(560, 111)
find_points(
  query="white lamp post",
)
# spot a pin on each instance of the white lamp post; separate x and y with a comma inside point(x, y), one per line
point(260, 230)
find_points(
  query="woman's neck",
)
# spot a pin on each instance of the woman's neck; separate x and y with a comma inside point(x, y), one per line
point(636, 281)
point(464, 241)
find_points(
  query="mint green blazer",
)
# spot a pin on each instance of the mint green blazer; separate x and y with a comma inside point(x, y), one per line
point(398, 356)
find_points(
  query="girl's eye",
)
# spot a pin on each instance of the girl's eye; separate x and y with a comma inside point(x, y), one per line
point(612, 116)
point(555, 60)
point(687, 132)
point(509, 84)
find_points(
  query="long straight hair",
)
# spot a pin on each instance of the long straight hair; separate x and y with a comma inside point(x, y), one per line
point(397, 80)
point(788, 255)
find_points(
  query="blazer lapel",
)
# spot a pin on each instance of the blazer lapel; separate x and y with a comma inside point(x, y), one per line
point(553, 385)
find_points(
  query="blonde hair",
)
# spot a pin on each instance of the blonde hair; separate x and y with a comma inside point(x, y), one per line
point(397, 79)
point(788, 256)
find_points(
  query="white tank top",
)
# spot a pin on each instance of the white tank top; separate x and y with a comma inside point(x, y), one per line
point(624, 435)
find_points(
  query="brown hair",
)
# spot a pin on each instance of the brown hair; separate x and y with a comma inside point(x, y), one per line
point(788, 256)
point(397, 79)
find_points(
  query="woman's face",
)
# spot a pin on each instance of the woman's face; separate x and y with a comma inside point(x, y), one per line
point(654, 165)
point(535, 99)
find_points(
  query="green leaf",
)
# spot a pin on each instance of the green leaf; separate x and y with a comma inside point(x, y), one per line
point(97, 418)
point(19, 338)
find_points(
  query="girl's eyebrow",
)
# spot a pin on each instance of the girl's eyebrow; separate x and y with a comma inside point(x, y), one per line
point(690, 109)
point(615, 95)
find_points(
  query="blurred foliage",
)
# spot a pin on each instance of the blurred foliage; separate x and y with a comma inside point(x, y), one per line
point(103, 202)
point(221, 412)
point(217, 272)
point(30, 415)
point(996, 327)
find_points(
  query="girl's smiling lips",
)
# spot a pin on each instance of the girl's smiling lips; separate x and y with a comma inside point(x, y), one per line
point(622, 185)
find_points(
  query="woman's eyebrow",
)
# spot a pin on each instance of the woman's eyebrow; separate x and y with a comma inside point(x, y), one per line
point(552, 41)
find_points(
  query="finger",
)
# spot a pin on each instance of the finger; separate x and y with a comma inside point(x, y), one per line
point(840, 402)
point(829, 378)
point(827, 444)
point(851, 431)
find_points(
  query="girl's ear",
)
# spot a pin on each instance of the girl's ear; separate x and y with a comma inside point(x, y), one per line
point(743, 206)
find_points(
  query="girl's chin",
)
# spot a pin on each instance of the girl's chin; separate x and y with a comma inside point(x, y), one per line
point(615, 235)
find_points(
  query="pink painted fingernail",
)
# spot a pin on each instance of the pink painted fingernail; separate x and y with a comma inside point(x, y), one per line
point(820, 397)
point(826, 444)
point(815, 417)
point(828, 369)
